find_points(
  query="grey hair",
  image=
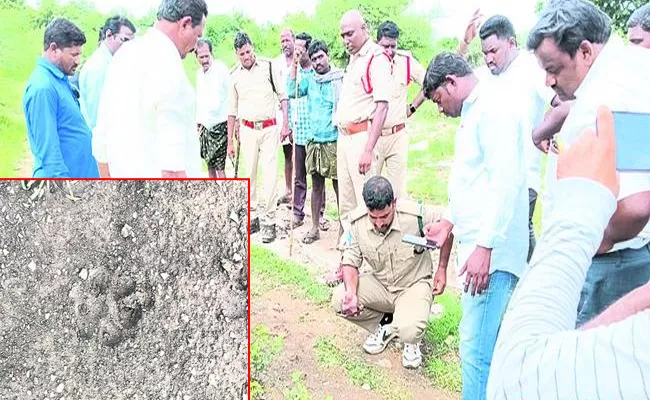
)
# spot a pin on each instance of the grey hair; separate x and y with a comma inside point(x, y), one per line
point(640, 17)
point(445, 64)
point(175, 10)
point(569, 22)
point(378, 193)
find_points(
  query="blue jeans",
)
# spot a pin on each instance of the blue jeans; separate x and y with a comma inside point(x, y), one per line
point(610, 277)
point(479, 327)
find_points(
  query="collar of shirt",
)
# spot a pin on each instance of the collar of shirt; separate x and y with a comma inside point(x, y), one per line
point(106, 52)
point(255, 64)
point(365, 49)
point(473, 96)
point(395, 226)
point(165, 43)
point(608, 51)
point(54, 70)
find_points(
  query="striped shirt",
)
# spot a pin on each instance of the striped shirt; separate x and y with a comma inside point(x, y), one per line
point(321, 101)
point(539, 354)
point(299, 113)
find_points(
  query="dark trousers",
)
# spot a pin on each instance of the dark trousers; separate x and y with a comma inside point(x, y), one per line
point(610, 277)
point(532, 200)
point(287, 149)
point(300, 195)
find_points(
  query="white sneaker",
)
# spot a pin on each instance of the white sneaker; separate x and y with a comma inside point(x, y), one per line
point(411, 356)
point(378, 341)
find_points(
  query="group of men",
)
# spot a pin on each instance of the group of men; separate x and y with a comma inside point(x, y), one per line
point(591, 267)
point(580, 300)
point(127, 119)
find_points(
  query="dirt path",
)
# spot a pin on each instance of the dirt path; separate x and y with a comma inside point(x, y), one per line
point(302, 323)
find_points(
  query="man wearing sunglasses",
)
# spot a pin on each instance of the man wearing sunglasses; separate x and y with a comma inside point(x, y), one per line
point(116, 31)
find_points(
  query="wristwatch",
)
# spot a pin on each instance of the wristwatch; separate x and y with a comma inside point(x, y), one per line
point(413, 109)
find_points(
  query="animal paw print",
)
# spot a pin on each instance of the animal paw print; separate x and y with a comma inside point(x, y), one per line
point(108, 309)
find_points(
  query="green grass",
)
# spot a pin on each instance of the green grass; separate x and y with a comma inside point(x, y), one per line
point(443, 364)
point(298, 390)
point(16, 65)
point(266, 264)
point(432, 148)
point(358, 371)
point(264, 348)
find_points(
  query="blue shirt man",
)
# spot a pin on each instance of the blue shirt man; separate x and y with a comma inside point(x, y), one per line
point(59, 138)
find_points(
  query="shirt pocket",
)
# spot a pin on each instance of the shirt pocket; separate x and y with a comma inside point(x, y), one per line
point(400, 89)
point(372, 256)
point(403, 256)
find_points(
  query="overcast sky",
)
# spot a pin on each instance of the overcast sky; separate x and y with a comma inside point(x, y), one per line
point(454, 13)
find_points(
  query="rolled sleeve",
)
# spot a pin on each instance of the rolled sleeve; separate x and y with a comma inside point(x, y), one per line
point(381, 79)
point(417, 72)
point(352, 252)
point(233, 99)
point(280, 87)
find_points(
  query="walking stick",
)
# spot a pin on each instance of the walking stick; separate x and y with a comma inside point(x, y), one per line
point(238, 152)
point(293, 190)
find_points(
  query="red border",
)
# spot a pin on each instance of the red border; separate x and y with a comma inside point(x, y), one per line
point(188, 179)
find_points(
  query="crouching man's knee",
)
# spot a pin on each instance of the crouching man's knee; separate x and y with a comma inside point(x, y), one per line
point(410, 331)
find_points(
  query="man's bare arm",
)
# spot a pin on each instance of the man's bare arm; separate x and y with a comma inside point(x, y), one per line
point(631, 216)
point(552, 124)
point(350, 279)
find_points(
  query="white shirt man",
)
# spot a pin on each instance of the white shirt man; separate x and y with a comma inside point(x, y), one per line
point(212, 94)
point(539, 353)
point(146, 122)
point(626, 90)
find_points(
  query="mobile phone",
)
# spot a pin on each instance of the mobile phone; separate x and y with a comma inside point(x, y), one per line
point(632, 141)
point(420, 241)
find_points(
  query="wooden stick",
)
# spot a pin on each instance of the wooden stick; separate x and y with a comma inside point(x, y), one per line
point(293, 174)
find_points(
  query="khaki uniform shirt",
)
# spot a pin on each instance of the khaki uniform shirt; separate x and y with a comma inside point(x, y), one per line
point(355, 105)
point(395, 264)
point(397, 110)
point(251, 94)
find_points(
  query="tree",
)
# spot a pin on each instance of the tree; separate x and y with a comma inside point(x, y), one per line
point(619, 10)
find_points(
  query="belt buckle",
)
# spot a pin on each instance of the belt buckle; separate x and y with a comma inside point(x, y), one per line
point(258, 126)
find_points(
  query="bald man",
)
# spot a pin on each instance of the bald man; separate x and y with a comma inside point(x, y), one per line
point(361, 112)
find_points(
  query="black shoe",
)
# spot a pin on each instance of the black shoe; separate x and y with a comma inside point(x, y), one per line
point(255, 226)
point(268, 233)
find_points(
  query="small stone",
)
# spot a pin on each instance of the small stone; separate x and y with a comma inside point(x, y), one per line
point(164, 275)
point(212, 380)
point(365, 386)
point(32, 266)
point(126, 231)
point(234, 217)
point(59, 389)
point(384, 363)
point(161, 221)
point(83, 274)
point(237, 257)
point(5, 252)
point(185, 318)
point(135, 215)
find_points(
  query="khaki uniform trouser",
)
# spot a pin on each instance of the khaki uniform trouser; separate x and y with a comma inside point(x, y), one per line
point(261, 146)
point(410, 307)
point(348, 153)
point(393, 153)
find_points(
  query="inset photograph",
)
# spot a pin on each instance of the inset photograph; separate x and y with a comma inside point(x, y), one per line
point(124, 289)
